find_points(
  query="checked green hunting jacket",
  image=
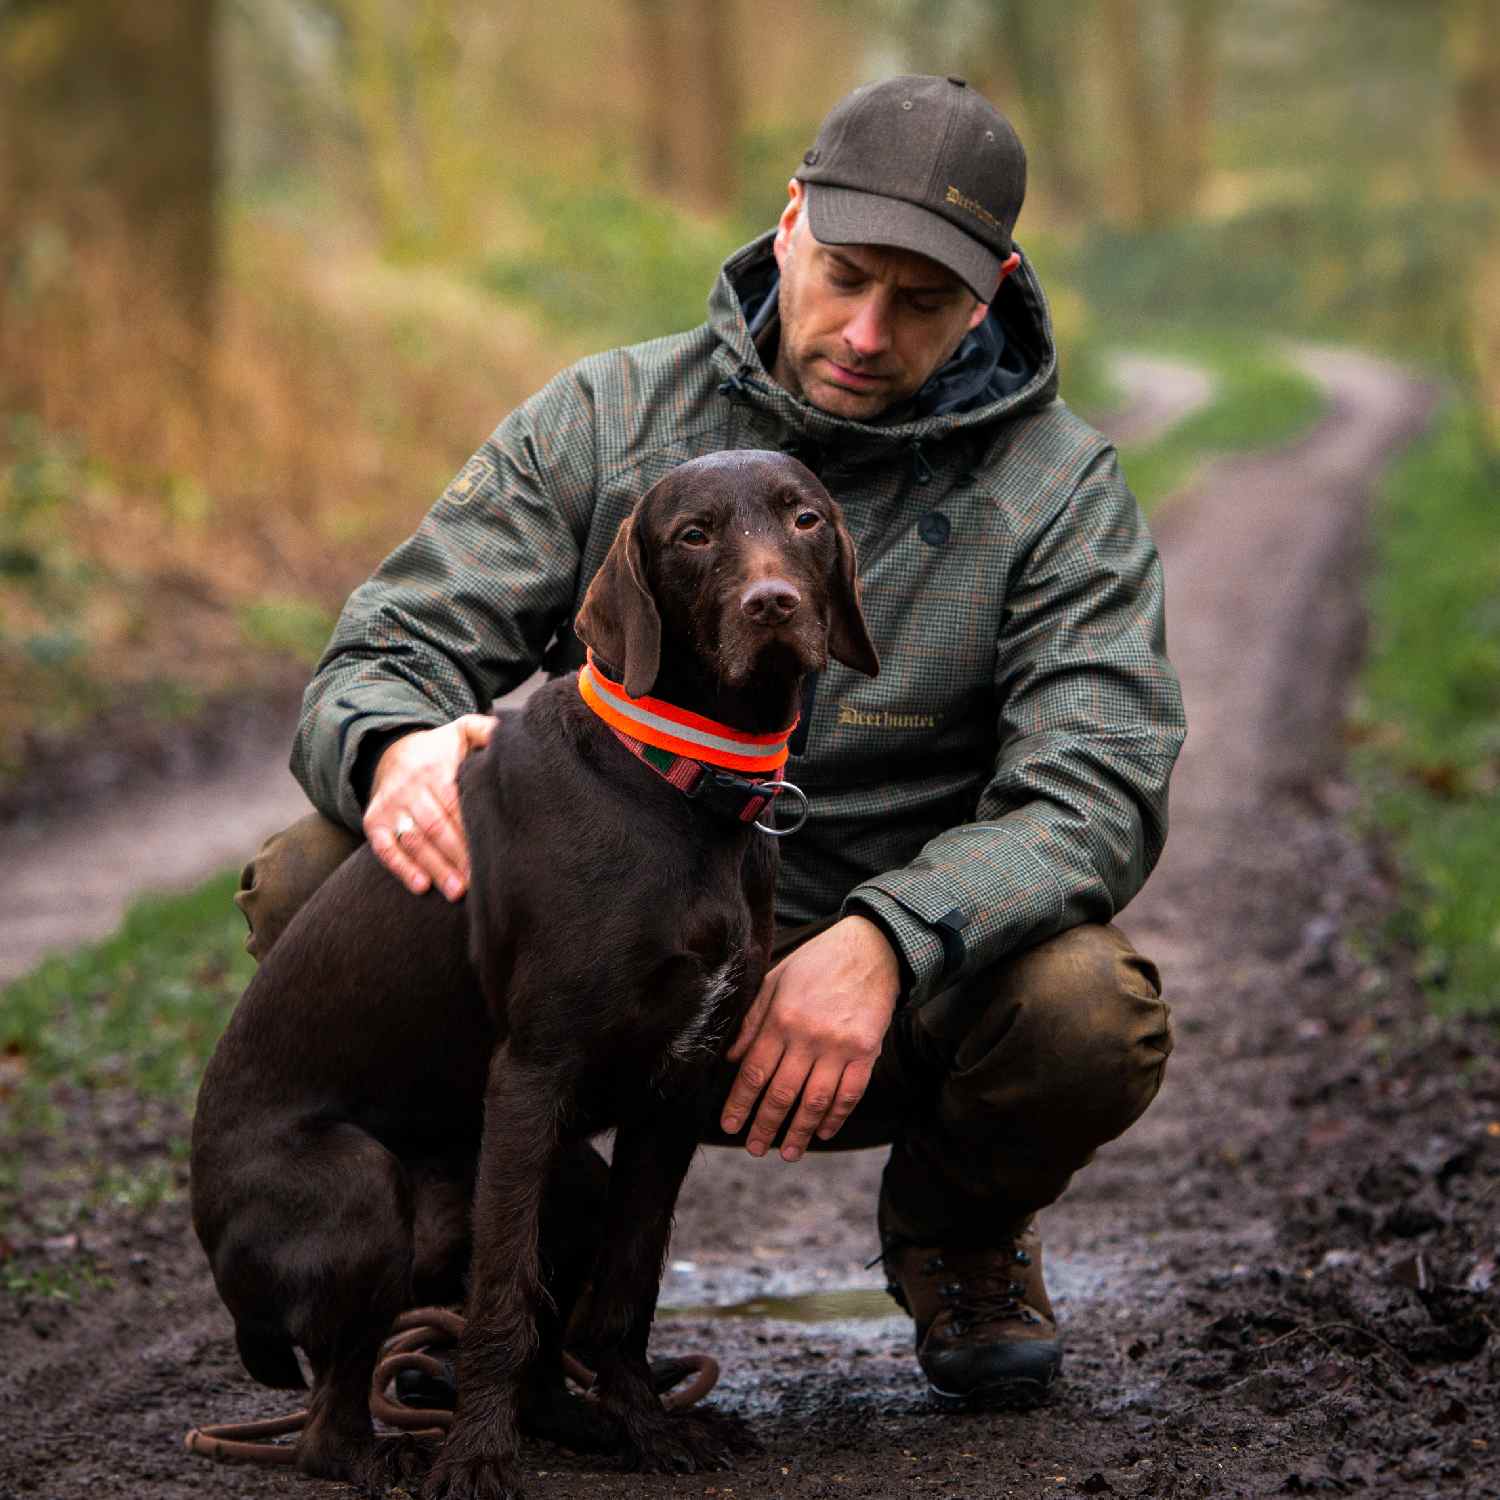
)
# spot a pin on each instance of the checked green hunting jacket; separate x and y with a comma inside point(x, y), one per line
point(1003, 779)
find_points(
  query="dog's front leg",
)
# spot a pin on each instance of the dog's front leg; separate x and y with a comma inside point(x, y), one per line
point(650, 1160)
point(521, 1118)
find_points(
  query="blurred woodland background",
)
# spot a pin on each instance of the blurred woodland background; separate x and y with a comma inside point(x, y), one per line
point(271, 269)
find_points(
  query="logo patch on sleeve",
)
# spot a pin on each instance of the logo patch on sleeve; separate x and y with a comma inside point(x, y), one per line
point(470, 481)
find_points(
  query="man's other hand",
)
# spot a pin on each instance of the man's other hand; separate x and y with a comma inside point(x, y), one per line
point(814, 1032)
point(412, 820)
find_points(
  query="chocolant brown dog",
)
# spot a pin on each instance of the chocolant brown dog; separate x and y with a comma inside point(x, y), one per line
point(397, 1059)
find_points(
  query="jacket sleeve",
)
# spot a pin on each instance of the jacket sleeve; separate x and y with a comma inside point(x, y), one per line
point(1074, 816)
point(461, 612)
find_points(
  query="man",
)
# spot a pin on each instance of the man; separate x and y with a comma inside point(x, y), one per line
point(944, 981)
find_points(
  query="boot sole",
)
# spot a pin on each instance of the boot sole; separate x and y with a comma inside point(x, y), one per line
point(997, 1395)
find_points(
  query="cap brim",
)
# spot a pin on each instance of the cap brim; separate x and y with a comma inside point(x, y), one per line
point(845, 216)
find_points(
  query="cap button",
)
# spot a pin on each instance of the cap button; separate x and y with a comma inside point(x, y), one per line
point(958, 82)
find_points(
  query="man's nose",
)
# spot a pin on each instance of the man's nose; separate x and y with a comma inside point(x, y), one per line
point(868, 331)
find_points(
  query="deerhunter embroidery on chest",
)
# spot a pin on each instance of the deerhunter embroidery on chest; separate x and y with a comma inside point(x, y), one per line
point(884, 718)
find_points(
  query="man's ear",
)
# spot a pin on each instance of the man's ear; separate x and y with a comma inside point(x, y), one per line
point(786, 226)
point(848, 637)
point(619, 618)
point(982, 309)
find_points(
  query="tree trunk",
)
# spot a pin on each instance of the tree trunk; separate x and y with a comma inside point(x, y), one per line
point(718, 113)
point(1197, 78)
point(1031, 46)
point(110, 122)
point(690, 103)
point(446, 152)
point(1143, 178)
point(1473, 34)
point(1473, 38)
point(655, 65)
point(372, 86)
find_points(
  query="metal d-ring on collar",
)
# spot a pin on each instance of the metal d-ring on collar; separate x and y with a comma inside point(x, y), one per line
point(774, 789)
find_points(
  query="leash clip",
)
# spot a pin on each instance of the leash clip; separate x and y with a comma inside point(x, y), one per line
point(774, 789)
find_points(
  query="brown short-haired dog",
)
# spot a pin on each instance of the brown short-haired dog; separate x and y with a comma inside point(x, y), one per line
point(404, 1078)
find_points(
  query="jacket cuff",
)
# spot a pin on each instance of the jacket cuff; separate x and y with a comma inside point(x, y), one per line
point(927, 956)
point(365, 735)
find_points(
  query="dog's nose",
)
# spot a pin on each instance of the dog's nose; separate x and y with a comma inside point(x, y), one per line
point(772, 601)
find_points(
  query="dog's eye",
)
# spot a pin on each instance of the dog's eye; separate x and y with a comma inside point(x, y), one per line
point(693, 536)
point(807, 520)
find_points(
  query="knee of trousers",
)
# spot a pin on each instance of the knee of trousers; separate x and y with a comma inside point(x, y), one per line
point(1072, 1034)
point(285, 871)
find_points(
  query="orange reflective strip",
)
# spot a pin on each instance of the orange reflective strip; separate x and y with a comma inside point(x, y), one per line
point(684, 716)
point(588, 688)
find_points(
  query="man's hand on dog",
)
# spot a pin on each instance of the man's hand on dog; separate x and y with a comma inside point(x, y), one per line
point(813, 1033)
point(412, 819)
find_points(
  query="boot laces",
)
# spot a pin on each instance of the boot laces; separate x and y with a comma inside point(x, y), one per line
point(984, 1293)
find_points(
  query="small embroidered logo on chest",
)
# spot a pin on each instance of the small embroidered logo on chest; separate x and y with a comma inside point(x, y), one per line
point(883, 718)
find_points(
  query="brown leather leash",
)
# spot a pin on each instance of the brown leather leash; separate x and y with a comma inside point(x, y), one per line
point(413, 1335)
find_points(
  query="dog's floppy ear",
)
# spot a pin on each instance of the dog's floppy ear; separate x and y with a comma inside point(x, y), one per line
point(848, 639)
point(619, 618)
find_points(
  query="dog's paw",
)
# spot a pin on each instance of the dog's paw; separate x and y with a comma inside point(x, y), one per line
point(481, 1478)
point(688, 1443)
point(730, 1431)
point(584, 1426)
point(396, 1462)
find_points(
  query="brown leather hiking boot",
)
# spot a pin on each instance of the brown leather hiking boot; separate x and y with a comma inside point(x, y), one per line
point(985, 1327)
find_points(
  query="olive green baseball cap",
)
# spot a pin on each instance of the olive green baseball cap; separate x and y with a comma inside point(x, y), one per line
point(920, 163)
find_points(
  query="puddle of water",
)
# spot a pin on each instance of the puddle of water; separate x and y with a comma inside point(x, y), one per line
point(812, 1307)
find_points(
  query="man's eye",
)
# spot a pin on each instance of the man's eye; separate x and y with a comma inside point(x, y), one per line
point(807, 520)
point(694, 536)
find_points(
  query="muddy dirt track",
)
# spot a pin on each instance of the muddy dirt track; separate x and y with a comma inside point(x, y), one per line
point(1280, 1282)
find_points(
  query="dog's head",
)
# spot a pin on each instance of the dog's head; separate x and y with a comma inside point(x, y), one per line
point(740, 556)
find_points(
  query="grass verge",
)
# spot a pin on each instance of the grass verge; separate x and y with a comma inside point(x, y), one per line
point(100, 1055)
point(1259, 401)
point(1427, 731)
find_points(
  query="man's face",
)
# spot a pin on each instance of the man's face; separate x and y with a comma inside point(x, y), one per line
point(862, 326)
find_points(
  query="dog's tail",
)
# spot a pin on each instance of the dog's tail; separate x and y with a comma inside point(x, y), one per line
point(268, 1355)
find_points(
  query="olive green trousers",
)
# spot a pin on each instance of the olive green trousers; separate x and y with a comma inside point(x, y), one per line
point(991, 1094)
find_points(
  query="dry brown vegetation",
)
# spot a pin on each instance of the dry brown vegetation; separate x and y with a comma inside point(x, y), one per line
point(172, 508)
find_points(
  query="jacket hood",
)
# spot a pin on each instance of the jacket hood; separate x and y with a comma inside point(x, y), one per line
point(1007, 367)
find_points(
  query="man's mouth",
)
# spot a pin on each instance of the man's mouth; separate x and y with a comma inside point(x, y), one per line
point(854, 379)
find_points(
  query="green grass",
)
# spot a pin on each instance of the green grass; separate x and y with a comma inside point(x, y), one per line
point(1259, 401)
point(100, 1055)
point(65, 1282)
point(139, 1011)
point(615, 266)
point(298, 627)
point(1428, 730)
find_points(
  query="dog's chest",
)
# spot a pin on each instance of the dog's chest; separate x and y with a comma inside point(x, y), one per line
point(704, 1032)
